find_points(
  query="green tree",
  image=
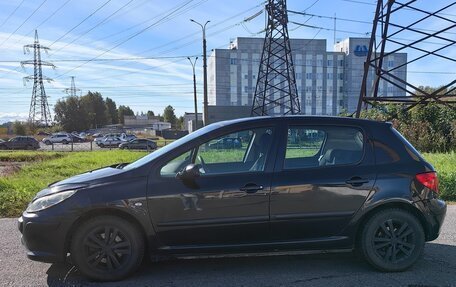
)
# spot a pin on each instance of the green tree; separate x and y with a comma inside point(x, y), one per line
point(71, 114)
point(95, 107)
point(150, 114)
point(124, 111)
point(111, 109)
point(19, 128)
point(169, 116)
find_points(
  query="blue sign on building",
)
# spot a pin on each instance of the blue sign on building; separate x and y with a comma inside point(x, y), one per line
point(360, 50)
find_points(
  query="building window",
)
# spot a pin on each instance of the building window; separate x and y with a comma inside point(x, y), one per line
point(330, 63)
point(340, 76)
point(233, 61)
point(329, 76)
point(298, 62)
point(319, 76)
point(341, 89)
point(329, 89)
point(319, 63)
point(308, 89)
point(309, 62)
point(320, 88)
point(390, 63)
point(309, 76)
point(341, 63)
point(390, 89)
point(298, 75)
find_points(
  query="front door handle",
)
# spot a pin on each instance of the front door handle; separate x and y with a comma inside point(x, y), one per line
point(251, 188)
point(356, 181)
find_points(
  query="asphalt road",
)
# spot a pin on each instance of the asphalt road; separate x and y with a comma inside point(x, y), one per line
point(437, 268)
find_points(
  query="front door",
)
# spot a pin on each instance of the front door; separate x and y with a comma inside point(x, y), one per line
point(227, 204)
point(323, 177)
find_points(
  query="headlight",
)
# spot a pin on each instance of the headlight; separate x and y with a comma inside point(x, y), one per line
point(49, 200)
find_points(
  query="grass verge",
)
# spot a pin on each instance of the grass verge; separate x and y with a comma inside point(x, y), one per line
point(445, 164)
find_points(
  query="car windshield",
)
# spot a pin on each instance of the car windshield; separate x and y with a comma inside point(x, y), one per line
point(148, 158)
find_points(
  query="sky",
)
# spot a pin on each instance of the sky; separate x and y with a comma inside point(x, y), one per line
point(135, 51)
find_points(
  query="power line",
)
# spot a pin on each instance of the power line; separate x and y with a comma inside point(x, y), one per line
point(12, 13)
point(25, 21)
point(130, 37)
point(85, 19)
point(94, 27)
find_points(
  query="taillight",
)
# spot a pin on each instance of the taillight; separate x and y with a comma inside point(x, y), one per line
point(429, 180)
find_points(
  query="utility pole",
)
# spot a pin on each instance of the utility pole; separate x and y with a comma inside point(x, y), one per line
point(39, 113)
point(276, 84)
point(194, 91)
point(205, 102)
point(72, 91)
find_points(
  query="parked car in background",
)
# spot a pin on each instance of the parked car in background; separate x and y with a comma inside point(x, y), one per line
point(226, 143)
point(122, 136)
point(20, 142)
point(139, 144)
point(109, 142)
point(298, 183)
point(77, 139)
point(42, 133)
point(63, 138)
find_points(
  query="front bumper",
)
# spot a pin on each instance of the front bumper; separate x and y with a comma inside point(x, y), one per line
point(44, 238)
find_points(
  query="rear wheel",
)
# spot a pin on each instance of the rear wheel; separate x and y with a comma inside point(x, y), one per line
point(48, 142)
point(65, 142)
point(107, 248)
point(392, 240)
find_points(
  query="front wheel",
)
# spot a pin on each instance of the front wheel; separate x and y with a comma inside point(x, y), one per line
point(392, 240)
point(107, 248)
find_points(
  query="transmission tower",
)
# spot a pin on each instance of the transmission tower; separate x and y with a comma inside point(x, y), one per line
point(391, 23)
point(39, 108)
point(72, 91)
point(276, 91)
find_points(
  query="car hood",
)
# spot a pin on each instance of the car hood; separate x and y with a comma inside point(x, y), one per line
point(91, 177)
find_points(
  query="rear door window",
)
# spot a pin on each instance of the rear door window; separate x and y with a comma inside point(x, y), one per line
point(311, 147)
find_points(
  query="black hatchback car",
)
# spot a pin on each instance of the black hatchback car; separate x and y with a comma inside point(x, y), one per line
point(20, 142)
point(296, 183)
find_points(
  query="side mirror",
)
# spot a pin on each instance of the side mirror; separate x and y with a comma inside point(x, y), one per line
point(189, 173)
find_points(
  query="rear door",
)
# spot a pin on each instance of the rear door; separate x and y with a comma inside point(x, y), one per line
point(324, 175)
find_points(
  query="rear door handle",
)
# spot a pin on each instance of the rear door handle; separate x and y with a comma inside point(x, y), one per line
point(251, 188)
point(356, 181)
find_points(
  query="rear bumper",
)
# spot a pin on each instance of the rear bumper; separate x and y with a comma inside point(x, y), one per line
point(435, 215)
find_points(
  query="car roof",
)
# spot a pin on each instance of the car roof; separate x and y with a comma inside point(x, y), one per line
point(320, 119)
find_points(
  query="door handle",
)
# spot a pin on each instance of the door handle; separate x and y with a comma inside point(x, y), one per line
point(251, 188)
point(356, 181)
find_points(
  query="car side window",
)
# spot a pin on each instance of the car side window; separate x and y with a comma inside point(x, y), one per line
point(175, 165)
point(310, 147)
point(242, 151)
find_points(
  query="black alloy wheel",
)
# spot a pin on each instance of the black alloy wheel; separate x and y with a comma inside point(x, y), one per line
point(107, 248)
point(392, 240)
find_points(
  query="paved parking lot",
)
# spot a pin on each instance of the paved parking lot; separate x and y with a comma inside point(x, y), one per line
point(437, 268)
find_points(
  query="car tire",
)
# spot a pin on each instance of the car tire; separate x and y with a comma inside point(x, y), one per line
point(392, 240)
point(48, 142)
point(93, 248)
point(101, 145)
point(65, 142)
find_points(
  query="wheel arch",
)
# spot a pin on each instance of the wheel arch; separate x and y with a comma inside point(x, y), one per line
point(103, 212)
point(388, 205)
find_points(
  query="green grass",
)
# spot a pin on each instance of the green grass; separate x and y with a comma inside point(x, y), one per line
point(445, 164)
point(16, 190)
point(27, 156)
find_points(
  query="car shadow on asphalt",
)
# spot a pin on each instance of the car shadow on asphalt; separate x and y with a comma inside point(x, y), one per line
point(255, 270)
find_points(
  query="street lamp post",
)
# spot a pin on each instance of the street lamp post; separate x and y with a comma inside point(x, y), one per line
point(194, 92)
point(205, 103)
